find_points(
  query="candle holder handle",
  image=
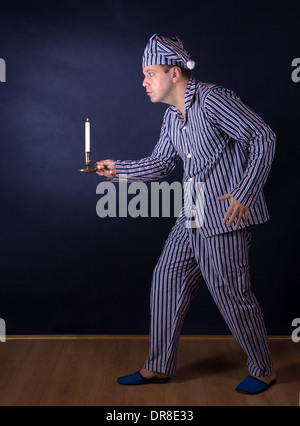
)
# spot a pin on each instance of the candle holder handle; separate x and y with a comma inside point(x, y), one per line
point(87, 163)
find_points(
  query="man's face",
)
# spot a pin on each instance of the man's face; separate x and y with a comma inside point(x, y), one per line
point(158, 84)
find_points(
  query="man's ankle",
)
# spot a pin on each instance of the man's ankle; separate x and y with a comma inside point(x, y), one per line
point(147, 374)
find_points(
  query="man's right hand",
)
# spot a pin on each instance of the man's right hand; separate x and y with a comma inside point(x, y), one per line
point(106, 168)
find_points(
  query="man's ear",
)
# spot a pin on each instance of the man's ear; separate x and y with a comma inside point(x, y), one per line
point(175, 73)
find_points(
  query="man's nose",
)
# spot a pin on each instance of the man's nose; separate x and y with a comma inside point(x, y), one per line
point(145, 82)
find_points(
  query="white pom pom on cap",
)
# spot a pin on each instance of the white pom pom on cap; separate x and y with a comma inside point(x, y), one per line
point(191, 65)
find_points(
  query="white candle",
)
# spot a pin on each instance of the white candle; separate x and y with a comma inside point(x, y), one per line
point(87, 136)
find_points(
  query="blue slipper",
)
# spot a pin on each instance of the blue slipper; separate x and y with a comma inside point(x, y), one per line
point(137, 379)
point(252, 386)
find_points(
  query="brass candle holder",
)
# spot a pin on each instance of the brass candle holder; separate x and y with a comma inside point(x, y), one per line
point(87, 163)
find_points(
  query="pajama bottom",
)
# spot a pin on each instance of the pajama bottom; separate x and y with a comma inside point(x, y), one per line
point(222, 262)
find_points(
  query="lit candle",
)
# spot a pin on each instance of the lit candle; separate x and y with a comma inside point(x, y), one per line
point(87, 136)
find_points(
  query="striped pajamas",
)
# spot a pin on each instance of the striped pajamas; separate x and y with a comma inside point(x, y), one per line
point(229, 148)
point(222, 262)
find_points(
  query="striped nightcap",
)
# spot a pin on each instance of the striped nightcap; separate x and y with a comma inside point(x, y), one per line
point(162, 50)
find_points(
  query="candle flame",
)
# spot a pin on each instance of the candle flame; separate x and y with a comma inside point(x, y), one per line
point(87, 119)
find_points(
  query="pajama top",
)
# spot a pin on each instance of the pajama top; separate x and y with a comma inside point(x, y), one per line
point(222, 143)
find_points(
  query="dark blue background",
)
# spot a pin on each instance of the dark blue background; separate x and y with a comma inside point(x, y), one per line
point(65, 270)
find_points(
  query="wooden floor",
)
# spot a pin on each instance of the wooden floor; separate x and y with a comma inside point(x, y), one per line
point(83, 372)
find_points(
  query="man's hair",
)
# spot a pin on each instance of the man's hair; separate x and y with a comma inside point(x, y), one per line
point(184, 72)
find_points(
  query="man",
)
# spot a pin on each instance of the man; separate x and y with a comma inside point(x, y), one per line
point(230, 149)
